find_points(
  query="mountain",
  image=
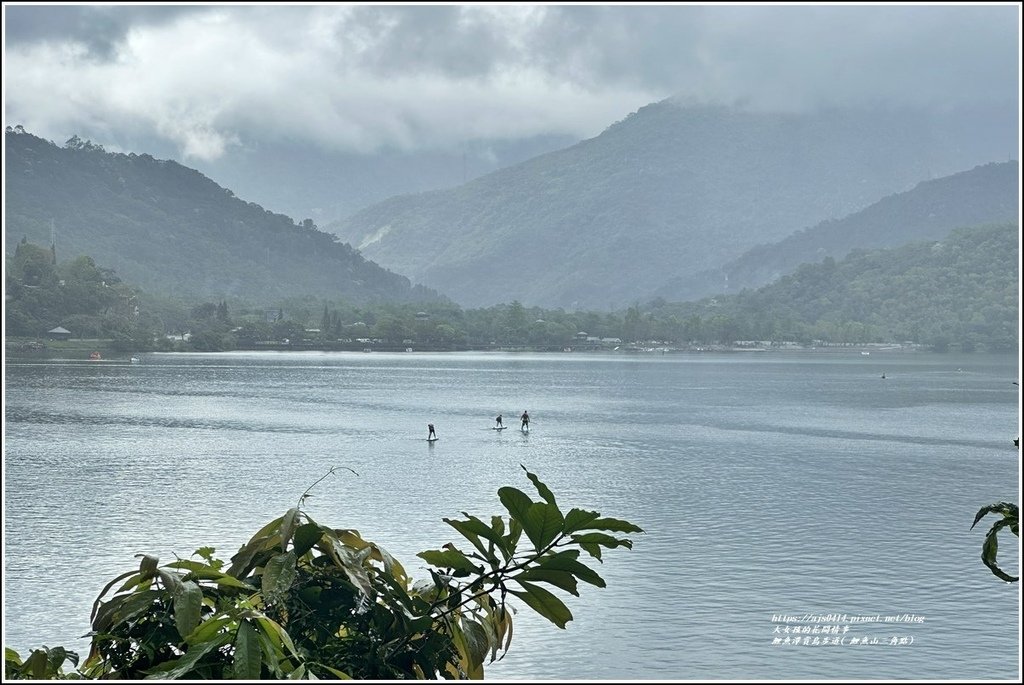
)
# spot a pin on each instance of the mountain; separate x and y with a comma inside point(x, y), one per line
point(304, 180)
point(962, 289)
point(671, 190)
point(989, 193)
point(170, 230)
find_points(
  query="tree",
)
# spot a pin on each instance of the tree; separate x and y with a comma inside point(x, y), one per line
point(514, 328)
point(305, 600)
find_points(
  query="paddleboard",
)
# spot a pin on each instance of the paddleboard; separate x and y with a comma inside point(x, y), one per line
point(499, 428)
point(432, 439)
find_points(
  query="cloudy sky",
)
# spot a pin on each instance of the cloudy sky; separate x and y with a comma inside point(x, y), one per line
point(203, 78)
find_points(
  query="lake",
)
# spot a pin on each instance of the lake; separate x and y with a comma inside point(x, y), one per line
point(778, 491)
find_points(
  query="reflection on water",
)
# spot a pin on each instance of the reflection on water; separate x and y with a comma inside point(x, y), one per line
point(796, 484)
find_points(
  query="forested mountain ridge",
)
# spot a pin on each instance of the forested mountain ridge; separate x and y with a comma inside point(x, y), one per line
point(963, 289)
point(670, 190)
point(303, 179)
point(989, 193)
point(170, 230)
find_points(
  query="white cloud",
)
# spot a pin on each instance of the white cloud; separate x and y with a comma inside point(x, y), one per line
point(416, 76)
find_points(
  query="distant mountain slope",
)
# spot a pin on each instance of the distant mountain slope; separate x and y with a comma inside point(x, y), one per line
point(670, 190)
point(303, 180)
point(963, 288)
point(170, 230)
point(986, 194)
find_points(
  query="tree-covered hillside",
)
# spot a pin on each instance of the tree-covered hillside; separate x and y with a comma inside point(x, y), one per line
point(670, 190)
point(986, 194)
point(170, 230)
point(303, 179)
point(963, 289)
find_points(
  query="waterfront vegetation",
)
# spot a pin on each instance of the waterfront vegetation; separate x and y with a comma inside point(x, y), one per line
point(304, 600)
point(960, 294)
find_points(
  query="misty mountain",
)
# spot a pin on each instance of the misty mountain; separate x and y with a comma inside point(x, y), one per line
point(671, 190)
point(986, 194)
point(171, 230)
point(304, 180)
point(961, 289)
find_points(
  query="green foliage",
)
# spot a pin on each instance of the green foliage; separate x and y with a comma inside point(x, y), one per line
point(42, 664)
point(990, 548)
point(1010, 519)
point(88, 300)
point(305, 600)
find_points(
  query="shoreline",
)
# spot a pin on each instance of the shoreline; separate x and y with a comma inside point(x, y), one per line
point(17, 351)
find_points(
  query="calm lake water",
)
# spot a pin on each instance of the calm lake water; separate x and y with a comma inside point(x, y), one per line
point(767, 483)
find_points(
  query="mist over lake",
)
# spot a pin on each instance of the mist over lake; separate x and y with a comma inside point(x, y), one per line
point(769, 484)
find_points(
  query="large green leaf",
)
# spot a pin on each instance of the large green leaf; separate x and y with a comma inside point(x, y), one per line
point(614, 525)
point(37, 663)
point(991, 547)
point(277, 633)
point(1007, 509)
point(177, 668)
point(203, 572)
point(469, 534)
point(288, 523)
point(136, 604)
point(449, 558)
point(248, 656)
point(242, 561)
point(603, 540)
point(465, 670)
point(516, 501)
point(560, 579)
point(306, 537)
point(543, 523)
point(171, 581)
point(515, 531)
point(473, 526)
point(188, 605)
point(57, 657)
point(279, 574)
point(566, 561)
point(576, 519)
point(392, 566)
point(476, 643)
point(544, 603)
point(205, 631)
point(346, 560)
point(147, 567)
point(542, 489)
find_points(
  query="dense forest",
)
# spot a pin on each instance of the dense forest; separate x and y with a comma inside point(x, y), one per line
point(959, 292)
point(169, 229)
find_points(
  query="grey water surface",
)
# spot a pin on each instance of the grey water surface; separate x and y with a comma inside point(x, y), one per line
point(776, 490)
